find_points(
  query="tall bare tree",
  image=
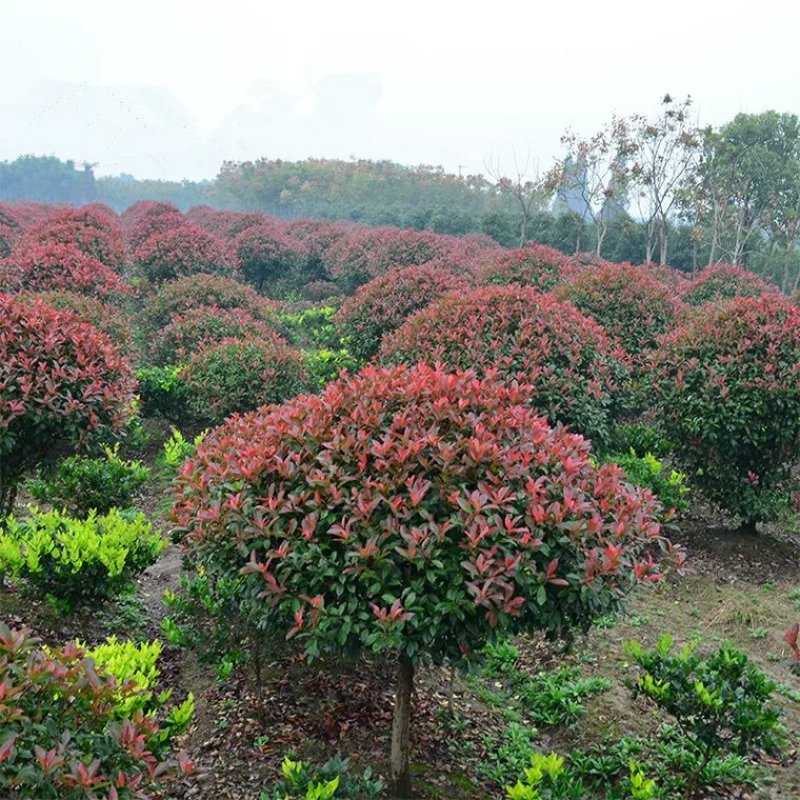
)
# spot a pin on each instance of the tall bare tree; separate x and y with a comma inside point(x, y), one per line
point(600, 173)
point(665, 153)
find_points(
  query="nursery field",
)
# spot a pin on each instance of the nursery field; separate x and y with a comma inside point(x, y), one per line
point(319, 510)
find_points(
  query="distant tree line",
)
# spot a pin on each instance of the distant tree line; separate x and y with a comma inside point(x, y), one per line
point(640, 189)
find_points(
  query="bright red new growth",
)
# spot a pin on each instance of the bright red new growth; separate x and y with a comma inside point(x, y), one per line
point(576, 372)
point(382, 305)
point(728, 387)
point(51, 265)
point(723, 282)
point(60, 731)
point(631, 303)
point(183, 250)
point(94, 230)
point(415, 509)
point(188, 332)
point(61, 382)
point(534, 265)
point(179, 296)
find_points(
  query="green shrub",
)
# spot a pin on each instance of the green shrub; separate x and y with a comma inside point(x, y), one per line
point(668, 485)
point(324, 366)
point(177, 449)
point(639, 437)
point(136, 665)
point(81, 484)
point(331, 780)
point(78, 561)
point(554, 697)
point(61, 732)
point(720, 702)
point(162, 391)
point(312, 328)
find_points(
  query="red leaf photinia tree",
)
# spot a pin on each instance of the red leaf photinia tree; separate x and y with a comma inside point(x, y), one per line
point(630, 303)
point(92, 229)
point(44, 266)
point(183, 250)
point(577, 373)
point(177, 297)
point(382, 305)
point(238, 375)
point(413, 511)
point(533, 265)
point(727, 386)
point(61, 383)
point(187, 333)
point(723, 282)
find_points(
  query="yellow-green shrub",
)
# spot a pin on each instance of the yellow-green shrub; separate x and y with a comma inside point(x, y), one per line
point(78, 561)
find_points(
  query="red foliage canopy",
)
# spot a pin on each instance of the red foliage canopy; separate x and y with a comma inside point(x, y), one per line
point(383, 305)
point(52, 265)
point(183, 250)
point(518, 333)
point(415, 509)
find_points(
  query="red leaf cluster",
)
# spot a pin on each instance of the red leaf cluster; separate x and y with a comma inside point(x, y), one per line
point(723, 282)
point(576, 372)
point(193, 291)
point(188, 332)
point(365, 253)
point(92, 229)
point(628, 301)
point(147, 217)
point(61, 380)
point(268, 253)
point(533, 265)
point(382, 305)
point(417, 509)
point(60, 735)
point(183, 250)
point(727, 382)
point(52, 265)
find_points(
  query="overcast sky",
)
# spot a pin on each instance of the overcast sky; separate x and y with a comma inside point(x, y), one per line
point(170, 89)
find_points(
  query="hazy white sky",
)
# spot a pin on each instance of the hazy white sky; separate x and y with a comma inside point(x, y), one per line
point(170, 89)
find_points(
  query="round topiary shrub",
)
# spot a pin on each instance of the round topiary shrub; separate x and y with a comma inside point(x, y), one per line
point(382, 305)
point(723, 282)
point(183, 250)
point(631, 304)
point(415, 511)
point(268, 254)
point(61, 383)
point(147, 217)
point(237, 375)
point(179, 296)
point(93, 230)
point(45, 266)
point(533, 265)
point(576, 372)
point(364, 253)
point(105, 317)
point(188, 332)
point(727, 385)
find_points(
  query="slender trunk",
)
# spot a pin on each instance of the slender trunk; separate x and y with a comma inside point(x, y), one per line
point(663, 241)
point(601, 235)
point(401, 725)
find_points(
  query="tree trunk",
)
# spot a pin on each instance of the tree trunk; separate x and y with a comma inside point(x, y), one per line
point(401, 724)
